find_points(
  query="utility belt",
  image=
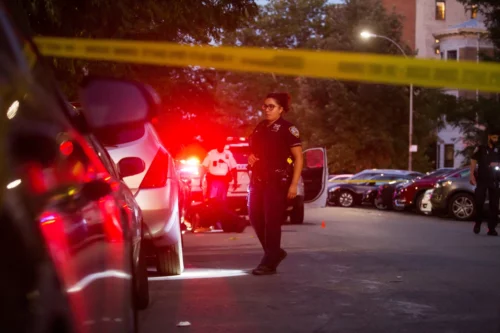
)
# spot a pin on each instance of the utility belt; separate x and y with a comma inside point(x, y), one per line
point(226, 178)
point(274, 176)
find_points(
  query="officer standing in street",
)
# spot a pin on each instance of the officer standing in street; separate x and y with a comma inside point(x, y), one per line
point(487, 159)
point(275, 163)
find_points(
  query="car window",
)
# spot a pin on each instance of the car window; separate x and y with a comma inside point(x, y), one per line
point(106, 160)
point(116, 135)
point(463, 174)
point(240, 153)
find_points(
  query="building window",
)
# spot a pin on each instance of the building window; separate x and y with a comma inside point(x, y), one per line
point(473, 11)
point(449, 156)
point(452, 55)
point(440, 10)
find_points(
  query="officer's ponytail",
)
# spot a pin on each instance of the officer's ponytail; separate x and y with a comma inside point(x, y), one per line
point(283, 99)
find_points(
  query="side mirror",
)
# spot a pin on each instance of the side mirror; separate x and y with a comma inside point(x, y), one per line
point(131, 166)
point(96, 189)
point(108, 103)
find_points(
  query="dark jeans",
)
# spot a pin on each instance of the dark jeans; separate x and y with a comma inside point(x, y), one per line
point(267, 205)
point(493, 196)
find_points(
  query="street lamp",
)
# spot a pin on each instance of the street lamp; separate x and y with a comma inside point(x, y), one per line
point(368, 35)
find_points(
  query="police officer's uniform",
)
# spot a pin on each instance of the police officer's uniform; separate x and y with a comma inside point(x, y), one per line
point(271, 177)
point(219, 166)
point(487, 181)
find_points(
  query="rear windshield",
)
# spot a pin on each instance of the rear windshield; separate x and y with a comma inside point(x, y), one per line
point(116, 135)
point(240, 154)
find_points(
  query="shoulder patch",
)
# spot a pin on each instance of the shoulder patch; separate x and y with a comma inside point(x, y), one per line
point(294, 131)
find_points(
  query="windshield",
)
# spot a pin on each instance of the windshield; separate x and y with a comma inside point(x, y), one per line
point(112, 136)
point(240, 154)
point(439, 173)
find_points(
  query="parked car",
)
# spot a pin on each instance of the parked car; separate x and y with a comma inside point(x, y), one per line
point(335, 178)
point(156, 188)
point(454, 196)
point(353, 194)
point(70, 238)
point(410, 195)
point(385, 193)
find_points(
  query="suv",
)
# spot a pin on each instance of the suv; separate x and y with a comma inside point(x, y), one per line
point(454, 196)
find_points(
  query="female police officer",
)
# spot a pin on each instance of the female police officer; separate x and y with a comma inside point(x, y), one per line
point(276, 164)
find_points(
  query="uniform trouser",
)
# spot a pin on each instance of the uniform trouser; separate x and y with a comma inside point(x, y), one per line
point(267, 205)
point(217, 189)
point(493, 196)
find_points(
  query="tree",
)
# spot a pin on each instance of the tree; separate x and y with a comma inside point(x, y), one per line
point(361, 125)
point(186, 92)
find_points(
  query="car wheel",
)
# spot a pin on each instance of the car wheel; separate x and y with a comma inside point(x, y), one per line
point(418, 203)
point(169, 260)
point(141, 284)
point(379, 204)
point(346, 199)
point(462, 207)
point(397, 208)
point(297, 213)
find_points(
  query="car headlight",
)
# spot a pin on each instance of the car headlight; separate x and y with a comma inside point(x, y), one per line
point(333, 189)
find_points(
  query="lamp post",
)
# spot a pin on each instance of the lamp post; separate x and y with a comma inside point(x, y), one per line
point(368, 35)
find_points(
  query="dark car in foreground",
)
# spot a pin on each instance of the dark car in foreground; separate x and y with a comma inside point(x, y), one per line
point(70, 231)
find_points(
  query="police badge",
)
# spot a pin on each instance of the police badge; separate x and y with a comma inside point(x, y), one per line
point(294, 131)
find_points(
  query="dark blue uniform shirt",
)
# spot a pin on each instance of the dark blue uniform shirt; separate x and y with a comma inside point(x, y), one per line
point(484, 155)
point(271, 144)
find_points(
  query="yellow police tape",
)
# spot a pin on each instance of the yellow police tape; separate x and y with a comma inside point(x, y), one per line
point(320, 64)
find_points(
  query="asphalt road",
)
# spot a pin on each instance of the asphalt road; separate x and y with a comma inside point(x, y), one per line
point(365, 271)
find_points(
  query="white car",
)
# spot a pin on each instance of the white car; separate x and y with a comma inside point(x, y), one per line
point(156, 188)
point(425, 204)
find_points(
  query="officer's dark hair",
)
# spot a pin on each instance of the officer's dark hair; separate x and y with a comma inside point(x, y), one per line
point(282, 98)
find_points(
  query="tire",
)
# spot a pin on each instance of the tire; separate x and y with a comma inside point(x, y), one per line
point(346, 199)
point(462, 207)
point(418, 203)
point(141, 284)
point(297, 213)
point(170, 260)
point(379, 204)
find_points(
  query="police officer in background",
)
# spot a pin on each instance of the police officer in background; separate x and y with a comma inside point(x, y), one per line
point(487, 159)
point(275, 163)
point(219, 166)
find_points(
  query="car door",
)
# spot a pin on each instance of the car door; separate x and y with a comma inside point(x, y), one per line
point(315, 177)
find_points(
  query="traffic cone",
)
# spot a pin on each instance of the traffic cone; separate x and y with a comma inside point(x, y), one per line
point(323, 224)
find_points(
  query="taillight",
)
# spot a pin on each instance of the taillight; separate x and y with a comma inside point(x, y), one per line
point(157, 173)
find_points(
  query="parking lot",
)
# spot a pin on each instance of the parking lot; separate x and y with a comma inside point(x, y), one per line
point(362, 270)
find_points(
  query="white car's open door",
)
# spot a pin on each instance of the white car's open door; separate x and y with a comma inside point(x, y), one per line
point(315, 176)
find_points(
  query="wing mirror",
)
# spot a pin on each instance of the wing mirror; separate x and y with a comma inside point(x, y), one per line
point(131, 166)
point(108, 102)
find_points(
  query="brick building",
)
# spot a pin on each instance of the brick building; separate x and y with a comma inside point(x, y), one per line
point(444, 29)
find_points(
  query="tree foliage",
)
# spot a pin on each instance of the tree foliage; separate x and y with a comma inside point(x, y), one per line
point(361, 125)
point(186, 92)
